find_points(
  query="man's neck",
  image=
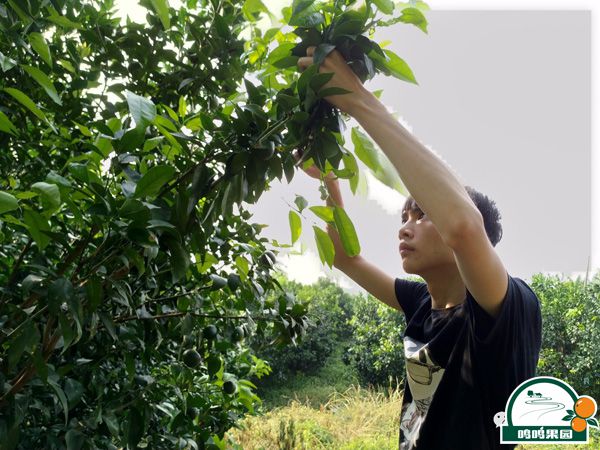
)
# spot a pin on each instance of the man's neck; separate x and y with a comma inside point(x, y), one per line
point(446, 288)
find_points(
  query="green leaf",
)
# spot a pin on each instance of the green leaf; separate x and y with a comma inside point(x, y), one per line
point(325, 246)
point(305, 79)
point(67, 65)
point(25, 101)
point(112, 423)
point(385, 6)
point(252, 7)
point(134, 427)
point(346, 231)
point(393, 65)
point(6, 63)
point(283, 51)
point(142, 110)
point(592, 422)
point(109, 324)
point(6, 125)
point(419, 4)
point(43, 81)
point(388, 175)
point(335, 90)
point(153, 180)
point(75, 439)
point(305, 14)
point(180, 260)
point(298, 6)
point(63, 21)
point(300, 202)
point(323, 212)
point(377, 162)
point(350, 164)
point(39, 44)
point(414, 16)
point(61, 396)
point(320, 79)
point(365, 150)
point(8, 202)
point(74, 391)
point(321, 52)
point(182, 107)
point(288, 61)
point(50, 195)
point(327, 145)
point(94, 292)
point(26, 340)
point(308, 20)
point(162, 9)
point(37, 224)
point(295, 225)
point(25, 18)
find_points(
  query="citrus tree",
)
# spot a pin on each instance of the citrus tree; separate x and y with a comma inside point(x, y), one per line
point(131, 274)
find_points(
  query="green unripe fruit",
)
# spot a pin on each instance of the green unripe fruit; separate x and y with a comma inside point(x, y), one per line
point(266, 151)
point(233, 281)
point(192, 358)
point(229, 387)
point(268, 259)
point(238, 334)
point(210, 332)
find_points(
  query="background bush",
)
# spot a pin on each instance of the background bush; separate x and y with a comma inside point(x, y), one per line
point(570, 331)
point(329, 310)
point(376, 350)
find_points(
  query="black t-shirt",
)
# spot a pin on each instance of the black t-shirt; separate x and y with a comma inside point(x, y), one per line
point(462, 365)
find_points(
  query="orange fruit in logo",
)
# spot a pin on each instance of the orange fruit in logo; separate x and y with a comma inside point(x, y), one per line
point(584, 407)
point(578, 424)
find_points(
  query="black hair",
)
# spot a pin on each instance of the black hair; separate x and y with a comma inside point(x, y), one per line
point(486, 206)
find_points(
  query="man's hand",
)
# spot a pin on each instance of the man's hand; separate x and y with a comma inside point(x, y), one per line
point(343, 78)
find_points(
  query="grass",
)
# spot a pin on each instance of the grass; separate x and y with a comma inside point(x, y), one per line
point(312, 390)
point(355, 419)
point(329, 410)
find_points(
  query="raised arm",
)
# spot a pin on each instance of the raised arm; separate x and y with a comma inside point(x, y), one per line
point(370, 277)
point(436, 189)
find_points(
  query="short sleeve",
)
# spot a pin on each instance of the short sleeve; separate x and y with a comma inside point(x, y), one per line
point(410, 295)
point(518, 326)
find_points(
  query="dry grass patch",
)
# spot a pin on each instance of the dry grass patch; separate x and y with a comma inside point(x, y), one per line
point(357, 418)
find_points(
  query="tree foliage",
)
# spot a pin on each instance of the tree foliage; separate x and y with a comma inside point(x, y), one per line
point(376, 349)
point(131, 275)
point(329, 309)
point(570, 331)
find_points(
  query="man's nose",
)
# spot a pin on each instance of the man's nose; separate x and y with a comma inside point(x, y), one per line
point(404, 232)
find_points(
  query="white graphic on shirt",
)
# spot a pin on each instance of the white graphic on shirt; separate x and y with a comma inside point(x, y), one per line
point(423, 376)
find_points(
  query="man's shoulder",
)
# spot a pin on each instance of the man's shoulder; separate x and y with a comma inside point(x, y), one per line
point(524, 290)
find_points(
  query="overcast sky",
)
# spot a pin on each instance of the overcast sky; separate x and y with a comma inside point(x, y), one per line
point(504, 97)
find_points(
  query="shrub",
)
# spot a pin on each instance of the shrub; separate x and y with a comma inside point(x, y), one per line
point(570, 331)
point(376, 350)
point(329, 309)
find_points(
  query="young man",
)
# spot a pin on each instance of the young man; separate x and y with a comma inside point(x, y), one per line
point(473, 332)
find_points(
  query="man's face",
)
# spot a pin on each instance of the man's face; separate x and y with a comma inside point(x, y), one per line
point(427, 252)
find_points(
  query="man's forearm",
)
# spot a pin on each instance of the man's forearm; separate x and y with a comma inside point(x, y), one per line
point(435, 188)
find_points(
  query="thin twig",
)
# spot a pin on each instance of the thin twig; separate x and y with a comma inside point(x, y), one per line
point(180, 314)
